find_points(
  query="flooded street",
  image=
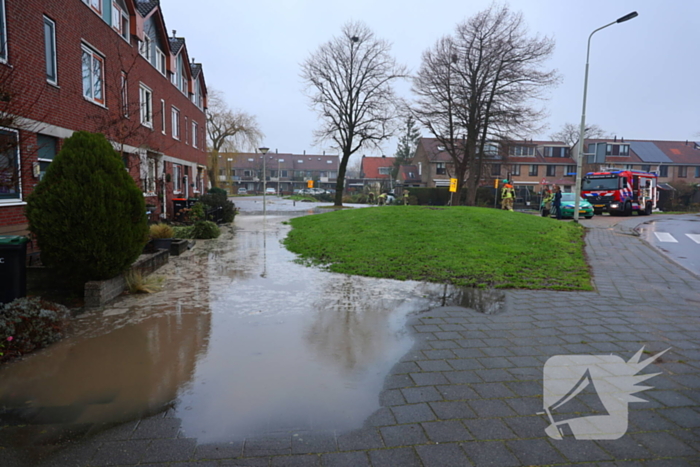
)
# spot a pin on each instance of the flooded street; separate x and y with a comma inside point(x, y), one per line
point(240, 341)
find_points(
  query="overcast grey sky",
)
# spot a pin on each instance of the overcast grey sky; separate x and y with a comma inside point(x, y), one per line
point(643, 79)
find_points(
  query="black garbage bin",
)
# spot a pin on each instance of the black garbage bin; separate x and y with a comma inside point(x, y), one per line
point(13, 267)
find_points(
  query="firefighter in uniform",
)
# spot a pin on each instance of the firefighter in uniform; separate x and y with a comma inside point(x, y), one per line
point(547, 198)
point(405, 197)
point(507, 195)
point(382, 199)
point(370, 197)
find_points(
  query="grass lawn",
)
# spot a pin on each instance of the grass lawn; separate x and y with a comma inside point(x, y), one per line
point(464, 246)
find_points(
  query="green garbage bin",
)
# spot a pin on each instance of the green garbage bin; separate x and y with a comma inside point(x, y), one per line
point(13, 267)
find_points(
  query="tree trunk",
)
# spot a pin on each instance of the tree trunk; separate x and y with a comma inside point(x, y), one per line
point(340, 182)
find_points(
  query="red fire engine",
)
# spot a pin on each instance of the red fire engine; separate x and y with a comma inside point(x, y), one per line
point(621, 191)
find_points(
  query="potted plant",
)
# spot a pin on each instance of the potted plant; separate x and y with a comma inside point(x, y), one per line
point(162, 236)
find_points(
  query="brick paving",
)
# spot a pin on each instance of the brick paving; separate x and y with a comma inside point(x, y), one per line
point(469, 390)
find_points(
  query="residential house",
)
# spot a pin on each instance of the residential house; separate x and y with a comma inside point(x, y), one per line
point(376, 172)
point(106, 66)
point(284, 172)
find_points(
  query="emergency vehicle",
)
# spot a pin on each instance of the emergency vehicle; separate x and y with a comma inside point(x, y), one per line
point(621, 191)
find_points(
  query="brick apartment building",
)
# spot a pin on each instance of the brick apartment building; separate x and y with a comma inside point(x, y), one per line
point(532, 164)
point(106, 66)
point(284, 172)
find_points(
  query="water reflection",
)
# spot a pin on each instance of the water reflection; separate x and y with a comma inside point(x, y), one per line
point(241, 341)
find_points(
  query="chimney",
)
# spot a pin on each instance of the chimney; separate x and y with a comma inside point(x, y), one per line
point(276, 151)
point(622, 140)
point(174, 33)
point(304, 151)
point(615, 139)
point(686, 142)
point(324, 153)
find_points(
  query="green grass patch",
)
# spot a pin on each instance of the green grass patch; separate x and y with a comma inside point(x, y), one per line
point(464, 246)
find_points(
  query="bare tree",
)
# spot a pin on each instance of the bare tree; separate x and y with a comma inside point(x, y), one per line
point(570, 132)
point(228, 130)
point(349, 81)
point(479, 84)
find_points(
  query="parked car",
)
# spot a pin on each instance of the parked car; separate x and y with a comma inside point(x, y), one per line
point(270, 191)
point(242, 191)
point(567, 207)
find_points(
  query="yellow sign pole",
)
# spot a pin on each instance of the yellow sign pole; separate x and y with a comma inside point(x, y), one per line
point(453, 185)
point(310, 184)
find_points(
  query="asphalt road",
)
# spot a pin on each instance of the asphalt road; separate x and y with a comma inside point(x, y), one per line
point(678, 238)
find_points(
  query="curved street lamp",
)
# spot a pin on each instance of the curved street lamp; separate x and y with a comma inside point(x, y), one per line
point(264, 151)
point(582, 130)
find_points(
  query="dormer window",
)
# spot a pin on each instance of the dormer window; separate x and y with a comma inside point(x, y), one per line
point(441, 148)
point(522, 151)
point(160, 61)
point(120, 20)
point(617, 150)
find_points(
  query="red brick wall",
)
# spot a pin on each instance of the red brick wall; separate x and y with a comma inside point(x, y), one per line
point(64, 105)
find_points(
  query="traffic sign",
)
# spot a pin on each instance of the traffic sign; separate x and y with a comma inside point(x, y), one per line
point(310, 184)
point(453, 185)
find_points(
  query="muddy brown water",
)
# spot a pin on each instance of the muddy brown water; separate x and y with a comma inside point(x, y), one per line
point(240, 341)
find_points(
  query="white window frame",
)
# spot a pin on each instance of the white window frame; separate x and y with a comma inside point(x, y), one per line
point(187, 131)
point(177, 178)
point(175, 117)
point(195, 134)
point(50, 55)
point(146, 103)
point(18, 172)
point(120, 21)
point(162, 115)
point(161, 62)
point(96, 6)
point(151, 176)
point(145, 48)
point(3, 33)
point(94, 56)
point(124, 83)
point(384, 170)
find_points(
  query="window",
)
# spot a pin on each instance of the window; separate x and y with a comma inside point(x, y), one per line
point(491, 149)
point(175, 117)
point(440, 168)
point(551, 170)
point(50, 50)
point(145, 48)
point(663, 171)
point(533, 171)
point(682, 171)
point(617, 150)
point(162, 116)
point(96, 5)
point(197, 94)
point(519, 151)
point(9, 165)
point(177, 178)
point(160, 61)
point(47, 150)
point(120, 20)
point(284, 174)
point(551, 151)
point(697, 172)
point(181, 79)
point(496, 170)
point(124, 95)
point(195, 134)
point(515, 170)
point(93, 76)
point(384, 170)
point(3, 33)
point(646, 168)
point(187, 132)
point(150, 185)
point(146, 99)
point(570, 171)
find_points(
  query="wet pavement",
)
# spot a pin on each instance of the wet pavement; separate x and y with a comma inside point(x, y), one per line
point(247, 358)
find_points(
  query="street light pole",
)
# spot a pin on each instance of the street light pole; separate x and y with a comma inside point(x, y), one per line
point(264, 150)
point(582, 130)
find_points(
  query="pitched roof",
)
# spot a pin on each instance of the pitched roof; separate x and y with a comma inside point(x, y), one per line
point(145, 6)
point(196, 69)
point(409, 173)
point(176, 43)
point(370, 166)
point(655, 152)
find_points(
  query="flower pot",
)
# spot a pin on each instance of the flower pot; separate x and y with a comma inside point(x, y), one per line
point(162, 243)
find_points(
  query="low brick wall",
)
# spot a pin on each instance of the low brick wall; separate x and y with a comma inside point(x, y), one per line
point(99, 293)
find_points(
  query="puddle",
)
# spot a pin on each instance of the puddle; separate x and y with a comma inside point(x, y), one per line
point(241, 341)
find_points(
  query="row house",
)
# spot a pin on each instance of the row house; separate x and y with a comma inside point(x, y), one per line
point(531, 165)
point(282, 171)
point(376, 173)
point(104, 66)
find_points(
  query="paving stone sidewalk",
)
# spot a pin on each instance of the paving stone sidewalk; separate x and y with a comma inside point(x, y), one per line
point(469, 391)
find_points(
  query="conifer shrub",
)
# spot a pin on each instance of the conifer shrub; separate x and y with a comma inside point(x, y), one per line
point(87, 213)
point(205, 230)
point(216, 200)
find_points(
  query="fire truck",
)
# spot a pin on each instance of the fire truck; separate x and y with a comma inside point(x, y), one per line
point(621, 191)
